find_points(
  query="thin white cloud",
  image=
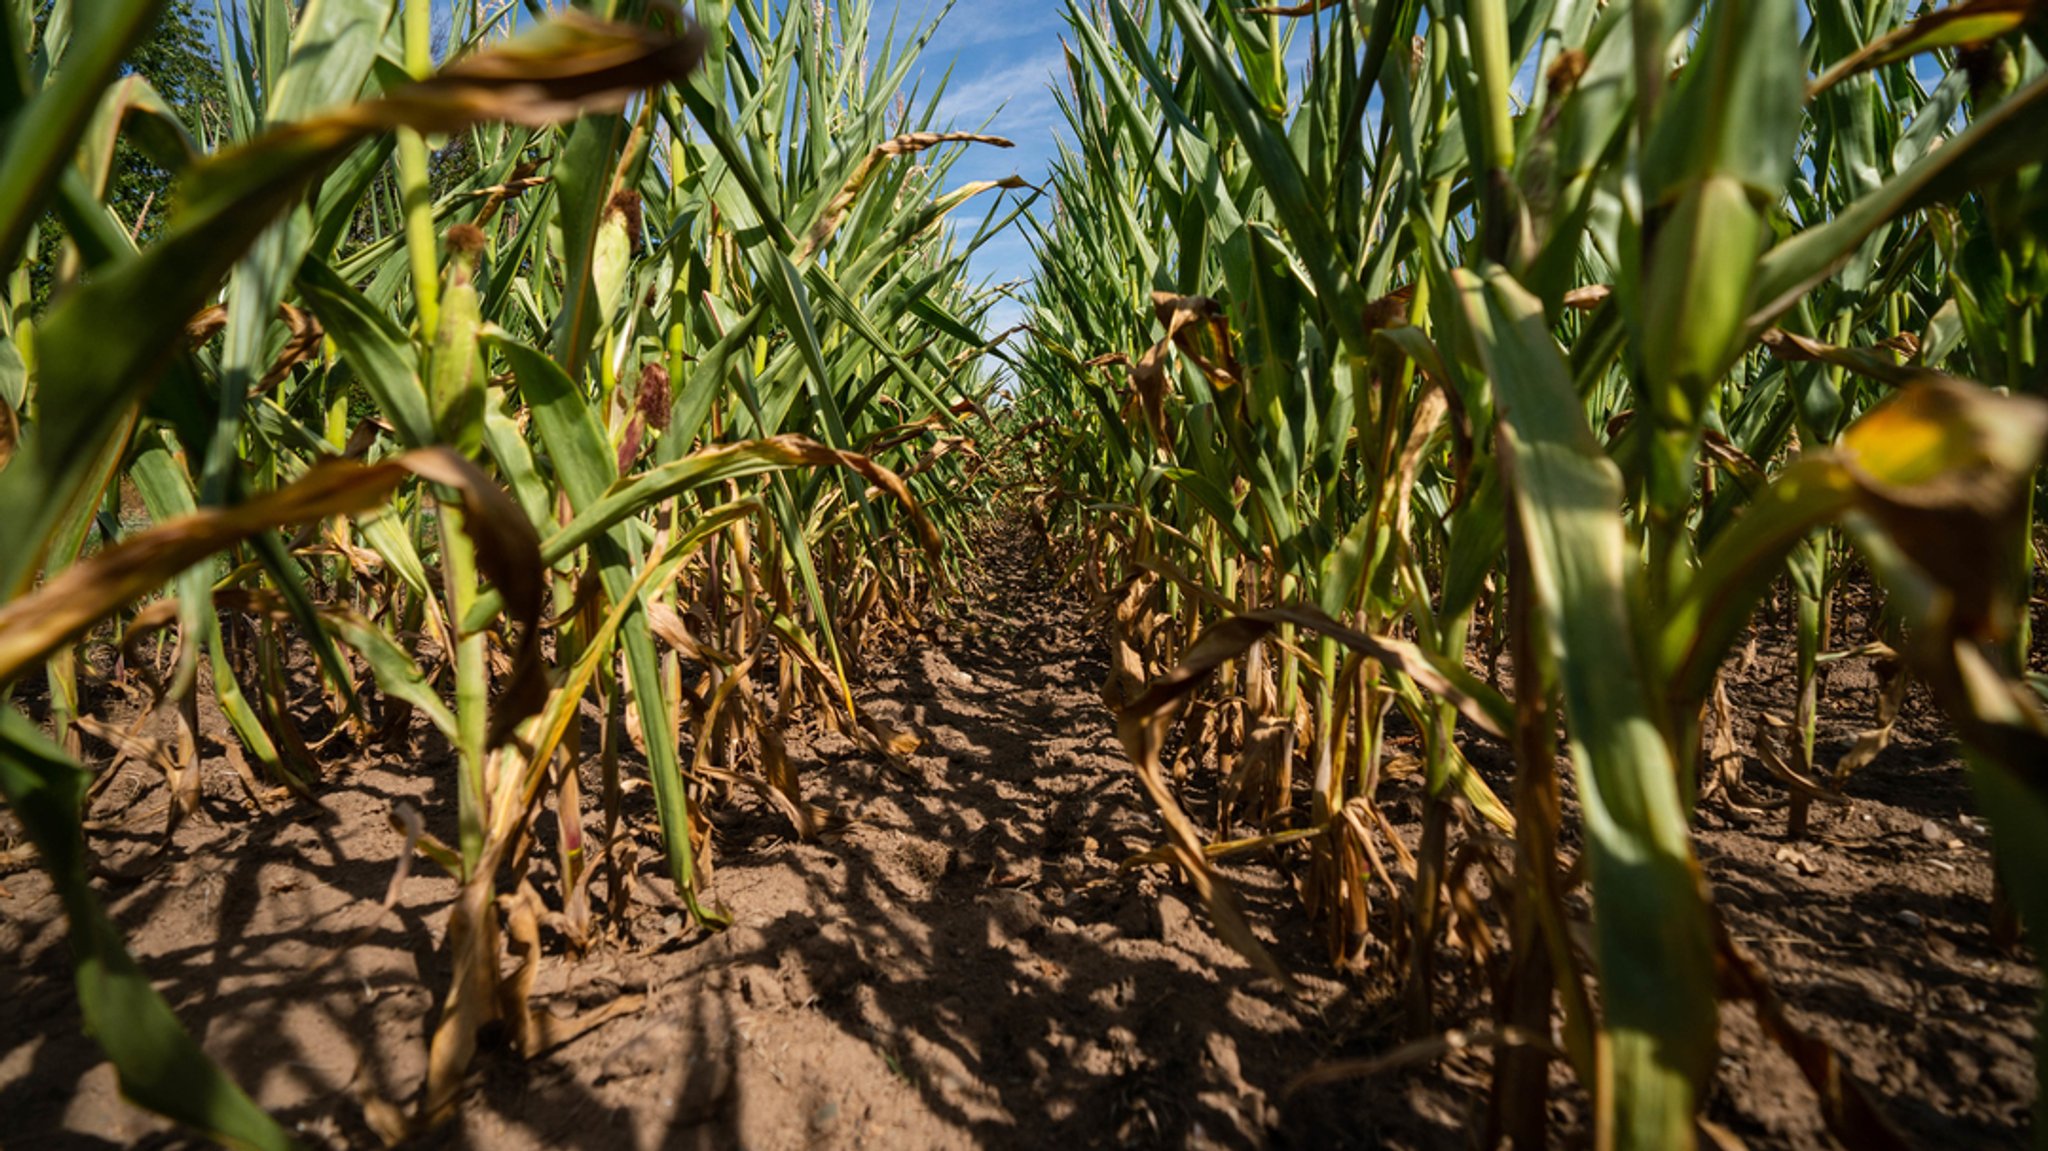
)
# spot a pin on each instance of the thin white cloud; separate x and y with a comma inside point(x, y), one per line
point(1004, 56)
point(1018, 94)
point(1004, 258)
point(973, 23)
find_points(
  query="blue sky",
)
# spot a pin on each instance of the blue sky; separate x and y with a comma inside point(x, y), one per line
point(1004, 54)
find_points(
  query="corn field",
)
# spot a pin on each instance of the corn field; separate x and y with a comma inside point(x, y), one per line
point(1428, 406)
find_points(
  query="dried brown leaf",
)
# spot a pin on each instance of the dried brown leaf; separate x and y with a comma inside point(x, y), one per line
point(508, 553)
point(842, 200)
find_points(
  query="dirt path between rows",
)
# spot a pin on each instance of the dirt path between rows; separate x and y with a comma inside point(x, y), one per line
point(963, 964)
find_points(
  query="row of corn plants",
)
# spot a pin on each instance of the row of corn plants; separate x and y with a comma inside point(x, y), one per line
point(476, 373)
point(1377, 340)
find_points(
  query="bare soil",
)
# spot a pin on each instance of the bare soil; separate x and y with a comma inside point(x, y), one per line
point(964, 964)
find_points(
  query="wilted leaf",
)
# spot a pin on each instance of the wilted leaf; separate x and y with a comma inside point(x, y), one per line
point(64, 608)
point(842, 201)
point(1879, 363)
point(1945, 466)
point(1143, 723)
point(1181, 316)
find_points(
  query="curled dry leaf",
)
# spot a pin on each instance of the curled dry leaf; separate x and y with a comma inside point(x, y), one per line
point(1143, 723)
point(508, 552)
point(715, 464)
point(897, 743)
point(1892, 682)
point(903, 433)
point(1587, 298)
point(1562, 79)
point(303, 344)
point(522, 912)
point(1429, 411)
point(1308, 8)
point(1390, 310)
point(472, 1001)
point(969, 355)
point(1482, 705)
point(568, 66)
point(1182, 317)
point(1185, 316)
point(1880, 362)
point(1945, 466)
point(842, 200)
point(571, 65)
point(799, 450)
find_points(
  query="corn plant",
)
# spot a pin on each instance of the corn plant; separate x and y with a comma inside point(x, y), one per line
point(641, 306)
point(1578, 324)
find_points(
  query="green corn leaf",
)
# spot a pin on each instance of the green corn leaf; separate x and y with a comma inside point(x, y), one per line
point(380, 354)
point(159, 1064)
point(390, 666)
point(36, 142)
point(2009, 136)
point(1652, 935)
point(586, 469)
